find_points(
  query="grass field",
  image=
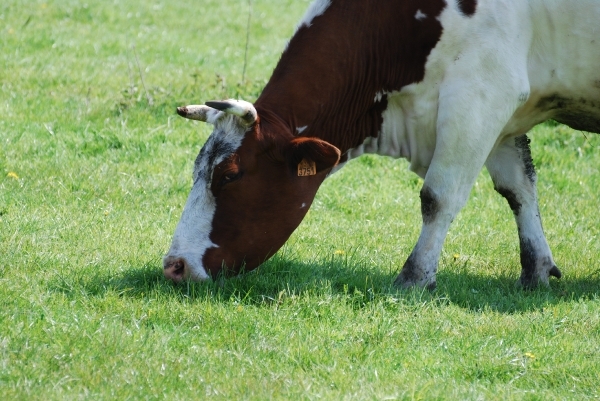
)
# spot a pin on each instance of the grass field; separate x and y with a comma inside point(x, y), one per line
point(94, 171)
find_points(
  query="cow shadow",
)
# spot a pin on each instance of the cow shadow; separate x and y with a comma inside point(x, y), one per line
point(358, 283)
point(502, 293)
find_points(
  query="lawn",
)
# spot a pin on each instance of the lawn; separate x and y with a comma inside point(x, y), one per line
point(95, 168)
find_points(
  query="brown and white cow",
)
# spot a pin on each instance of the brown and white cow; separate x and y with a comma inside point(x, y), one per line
point(449, 85)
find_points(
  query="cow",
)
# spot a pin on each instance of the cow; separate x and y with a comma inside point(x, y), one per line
point(449, 85)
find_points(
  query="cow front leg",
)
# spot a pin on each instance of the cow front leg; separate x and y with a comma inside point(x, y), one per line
point(421, 266)
point(445, 191)
point(512, 171)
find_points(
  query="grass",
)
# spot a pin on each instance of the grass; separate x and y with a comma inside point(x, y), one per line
point(95, 169)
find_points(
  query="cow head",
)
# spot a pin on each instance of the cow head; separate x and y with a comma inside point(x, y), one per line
point(252, 187)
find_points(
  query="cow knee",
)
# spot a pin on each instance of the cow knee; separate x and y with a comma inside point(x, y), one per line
point(430, 204)
point(511, 197)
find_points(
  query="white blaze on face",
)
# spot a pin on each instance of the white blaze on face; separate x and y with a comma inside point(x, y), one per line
point(191, 238)
point(192, 235)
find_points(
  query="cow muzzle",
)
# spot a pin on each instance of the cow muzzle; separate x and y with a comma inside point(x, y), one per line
point(178, 269)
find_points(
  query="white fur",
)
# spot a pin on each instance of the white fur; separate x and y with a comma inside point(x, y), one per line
point(472, 54)
point(316, 8)
point(242, 108)
point(420, 15)
point(191, 240)
point(379, 95)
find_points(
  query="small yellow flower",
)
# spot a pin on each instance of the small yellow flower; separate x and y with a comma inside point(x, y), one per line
point(12, 174)
point(529, 355)
point(339, 252)
point(456, 256)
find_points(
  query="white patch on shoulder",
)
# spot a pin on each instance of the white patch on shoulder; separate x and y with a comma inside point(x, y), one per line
point(317, 8)
point(420, 15)
point(408, 128)
point(300, 130)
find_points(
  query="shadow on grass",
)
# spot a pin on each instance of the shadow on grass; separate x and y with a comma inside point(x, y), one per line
point(502, 294)
point(264, 285)
point(356, 281)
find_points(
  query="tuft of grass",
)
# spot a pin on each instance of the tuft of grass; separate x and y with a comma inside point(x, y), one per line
point(93, 178)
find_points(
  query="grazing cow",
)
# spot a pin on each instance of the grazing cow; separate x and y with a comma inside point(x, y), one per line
point(449, 85)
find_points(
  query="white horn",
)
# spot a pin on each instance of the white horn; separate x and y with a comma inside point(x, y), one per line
point(198, 112)
point(240, 108)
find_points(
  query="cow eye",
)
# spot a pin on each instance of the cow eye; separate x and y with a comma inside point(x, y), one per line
point(229, 178)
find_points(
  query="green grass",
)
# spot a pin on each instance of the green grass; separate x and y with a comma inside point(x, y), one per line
point(95, 169)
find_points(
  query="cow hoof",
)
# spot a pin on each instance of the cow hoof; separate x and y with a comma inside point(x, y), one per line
point(531, 282)
point(404, 283)
point(555, 272)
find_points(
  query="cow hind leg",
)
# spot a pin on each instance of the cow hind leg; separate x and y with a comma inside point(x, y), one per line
point(512, 171)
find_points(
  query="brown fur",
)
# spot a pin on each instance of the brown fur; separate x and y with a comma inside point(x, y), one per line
point(327, 79)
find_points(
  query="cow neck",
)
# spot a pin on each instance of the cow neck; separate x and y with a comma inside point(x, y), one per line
point(331, 81)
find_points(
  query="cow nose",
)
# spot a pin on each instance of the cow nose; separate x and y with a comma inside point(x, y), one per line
point(175, 269)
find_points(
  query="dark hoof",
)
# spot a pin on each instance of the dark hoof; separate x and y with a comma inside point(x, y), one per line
point(404, 283)
point(530, 282)
point(529, 285)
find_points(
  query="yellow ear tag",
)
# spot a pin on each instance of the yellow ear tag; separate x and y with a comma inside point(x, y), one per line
point(306, 168)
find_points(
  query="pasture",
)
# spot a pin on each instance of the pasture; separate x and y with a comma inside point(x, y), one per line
point(95, 168)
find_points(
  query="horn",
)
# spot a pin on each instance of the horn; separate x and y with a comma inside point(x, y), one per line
point(196, 112)
point(239, 108)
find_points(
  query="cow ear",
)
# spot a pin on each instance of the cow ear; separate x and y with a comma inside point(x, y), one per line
point(311, 155)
